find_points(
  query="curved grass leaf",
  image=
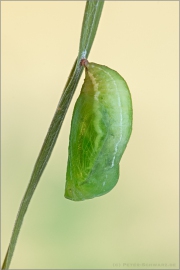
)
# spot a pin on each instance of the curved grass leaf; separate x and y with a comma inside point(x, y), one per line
point(90, 23)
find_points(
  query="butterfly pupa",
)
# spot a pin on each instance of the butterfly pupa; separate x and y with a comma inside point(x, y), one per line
point(100, 130)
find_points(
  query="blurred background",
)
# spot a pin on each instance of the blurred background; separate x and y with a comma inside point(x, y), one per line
point(136, 224)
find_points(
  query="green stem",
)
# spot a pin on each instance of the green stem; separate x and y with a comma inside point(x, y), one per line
point(90, 23)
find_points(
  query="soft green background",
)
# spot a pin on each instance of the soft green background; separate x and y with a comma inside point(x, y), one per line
point(137, 222)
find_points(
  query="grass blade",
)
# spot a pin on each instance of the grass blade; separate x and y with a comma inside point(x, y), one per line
point(90, 23)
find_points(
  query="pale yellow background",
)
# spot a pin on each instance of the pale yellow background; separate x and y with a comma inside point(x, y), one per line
point(137, 222)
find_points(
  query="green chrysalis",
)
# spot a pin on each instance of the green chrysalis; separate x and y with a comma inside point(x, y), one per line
point(100, 130)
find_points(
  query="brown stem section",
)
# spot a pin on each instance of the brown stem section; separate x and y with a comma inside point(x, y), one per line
point(84, 63)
